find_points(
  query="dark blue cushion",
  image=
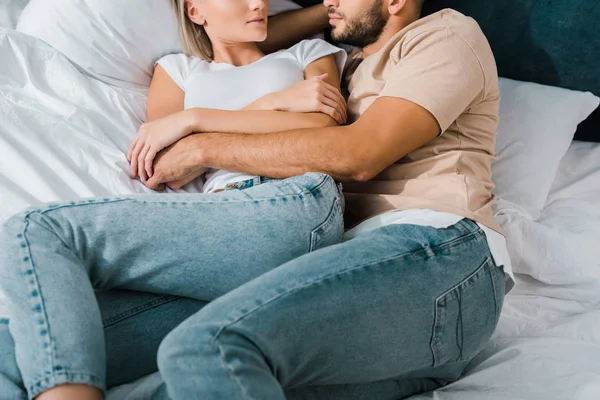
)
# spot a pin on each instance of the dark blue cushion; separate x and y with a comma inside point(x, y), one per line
point(552, 42)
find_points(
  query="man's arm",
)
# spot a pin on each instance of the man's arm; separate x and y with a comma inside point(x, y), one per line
point(289, 28)
point(390, 129)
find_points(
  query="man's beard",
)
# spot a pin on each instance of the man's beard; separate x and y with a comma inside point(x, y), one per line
point(364, 30)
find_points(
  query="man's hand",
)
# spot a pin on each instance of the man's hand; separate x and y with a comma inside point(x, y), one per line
point(153, 137)
point(177, 165)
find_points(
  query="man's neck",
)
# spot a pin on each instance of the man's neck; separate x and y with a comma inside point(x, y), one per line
point(394, 25)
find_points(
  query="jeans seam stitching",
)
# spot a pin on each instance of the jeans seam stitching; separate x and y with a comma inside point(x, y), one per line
point(333, 213)
point(454, 242)
point(301, 194)
point(137, 310)
point(227, 367)
point(495, 287)
point(433, 342)
point(37, 387)
point(30, 263)
point(71, 205)
point(50, 231)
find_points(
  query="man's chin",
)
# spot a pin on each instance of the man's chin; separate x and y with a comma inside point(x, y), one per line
point(337, 35)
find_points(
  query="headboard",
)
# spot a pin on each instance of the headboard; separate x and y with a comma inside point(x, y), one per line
point(552, 42)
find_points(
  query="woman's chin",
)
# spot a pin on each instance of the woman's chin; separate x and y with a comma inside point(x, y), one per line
point(259, 38)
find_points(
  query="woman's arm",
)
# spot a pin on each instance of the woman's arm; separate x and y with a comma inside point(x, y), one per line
point(254, 120)
point(284, 30)
point(164, 96)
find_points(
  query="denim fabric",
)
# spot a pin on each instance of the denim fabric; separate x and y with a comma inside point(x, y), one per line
point(384, 309)
point(136, 322)
point(196, 246)
point(134, 325)
point(386, 292)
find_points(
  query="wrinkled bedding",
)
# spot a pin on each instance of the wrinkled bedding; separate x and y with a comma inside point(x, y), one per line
point(63, 135)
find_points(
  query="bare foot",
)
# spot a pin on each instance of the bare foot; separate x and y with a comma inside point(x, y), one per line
point(71, 392)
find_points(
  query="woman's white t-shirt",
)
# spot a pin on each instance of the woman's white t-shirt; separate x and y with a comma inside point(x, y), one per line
point(227, 87)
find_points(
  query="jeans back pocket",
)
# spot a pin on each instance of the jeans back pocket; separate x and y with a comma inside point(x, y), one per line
point(466, 316)
point(331, 230)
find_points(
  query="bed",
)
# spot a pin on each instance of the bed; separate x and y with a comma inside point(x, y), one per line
point(65, 127)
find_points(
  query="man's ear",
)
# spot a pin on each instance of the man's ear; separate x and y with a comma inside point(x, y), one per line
point(396, 6)
point(194, 13)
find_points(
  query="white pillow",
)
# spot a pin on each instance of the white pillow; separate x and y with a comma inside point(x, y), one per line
point(10, 11)
point(537, 125)
point(115, 41)
point(560, 246)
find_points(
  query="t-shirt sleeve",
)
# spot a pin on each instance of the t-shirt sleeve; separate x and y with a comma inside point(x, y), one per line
point(308, 51)
point(439, 71)
point(177, 66)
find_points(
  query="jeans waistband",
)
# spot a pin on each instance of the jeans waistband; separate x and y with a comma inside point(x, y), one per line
point(469, 225)
point(326, 184)
point(248, 183)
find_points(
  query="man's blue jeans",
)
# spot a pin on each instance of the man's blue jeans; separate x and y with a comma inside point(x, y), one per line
point(393, 312)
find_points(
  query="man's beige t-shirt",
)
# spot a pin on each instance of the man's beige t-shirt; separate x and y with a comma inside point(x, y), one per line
point(443, 63)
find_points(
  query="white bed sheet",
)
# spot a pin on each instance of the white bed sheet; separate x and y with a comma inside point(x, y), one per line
point(10, 10)
point(63, 136)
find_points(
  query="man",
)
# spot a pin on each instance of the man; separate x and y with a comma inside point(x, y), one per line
point(416, 290)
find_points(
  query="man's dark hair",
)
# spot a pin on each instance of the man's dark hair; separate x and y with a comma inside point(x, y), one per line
point(419, 4)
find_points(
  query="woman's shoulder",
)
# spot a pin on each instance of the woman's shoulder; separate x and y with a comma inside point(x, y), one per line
point(181, 66)
point(182, 61)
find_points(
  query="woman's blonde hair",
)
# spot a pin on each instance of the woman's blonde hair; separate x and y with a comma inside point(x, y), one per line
point(194, 39)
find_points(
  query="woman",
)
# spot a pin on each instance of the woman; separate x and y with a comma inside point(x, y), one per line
point(227, 71)
point(197, 246)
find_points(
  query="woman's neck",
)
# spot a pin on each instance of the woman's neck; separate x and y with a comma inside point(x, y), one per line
point(237, 54)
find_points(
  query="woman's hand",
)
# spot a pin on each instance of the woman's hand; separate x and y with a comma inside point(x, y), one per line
point(152, 137)
point(311, 95)
point(178, 164)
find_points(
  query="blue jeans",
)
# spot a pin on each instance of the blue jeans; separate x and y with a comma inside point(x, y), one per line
point(397, 309)
point(194, 246)
point(393, 312)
